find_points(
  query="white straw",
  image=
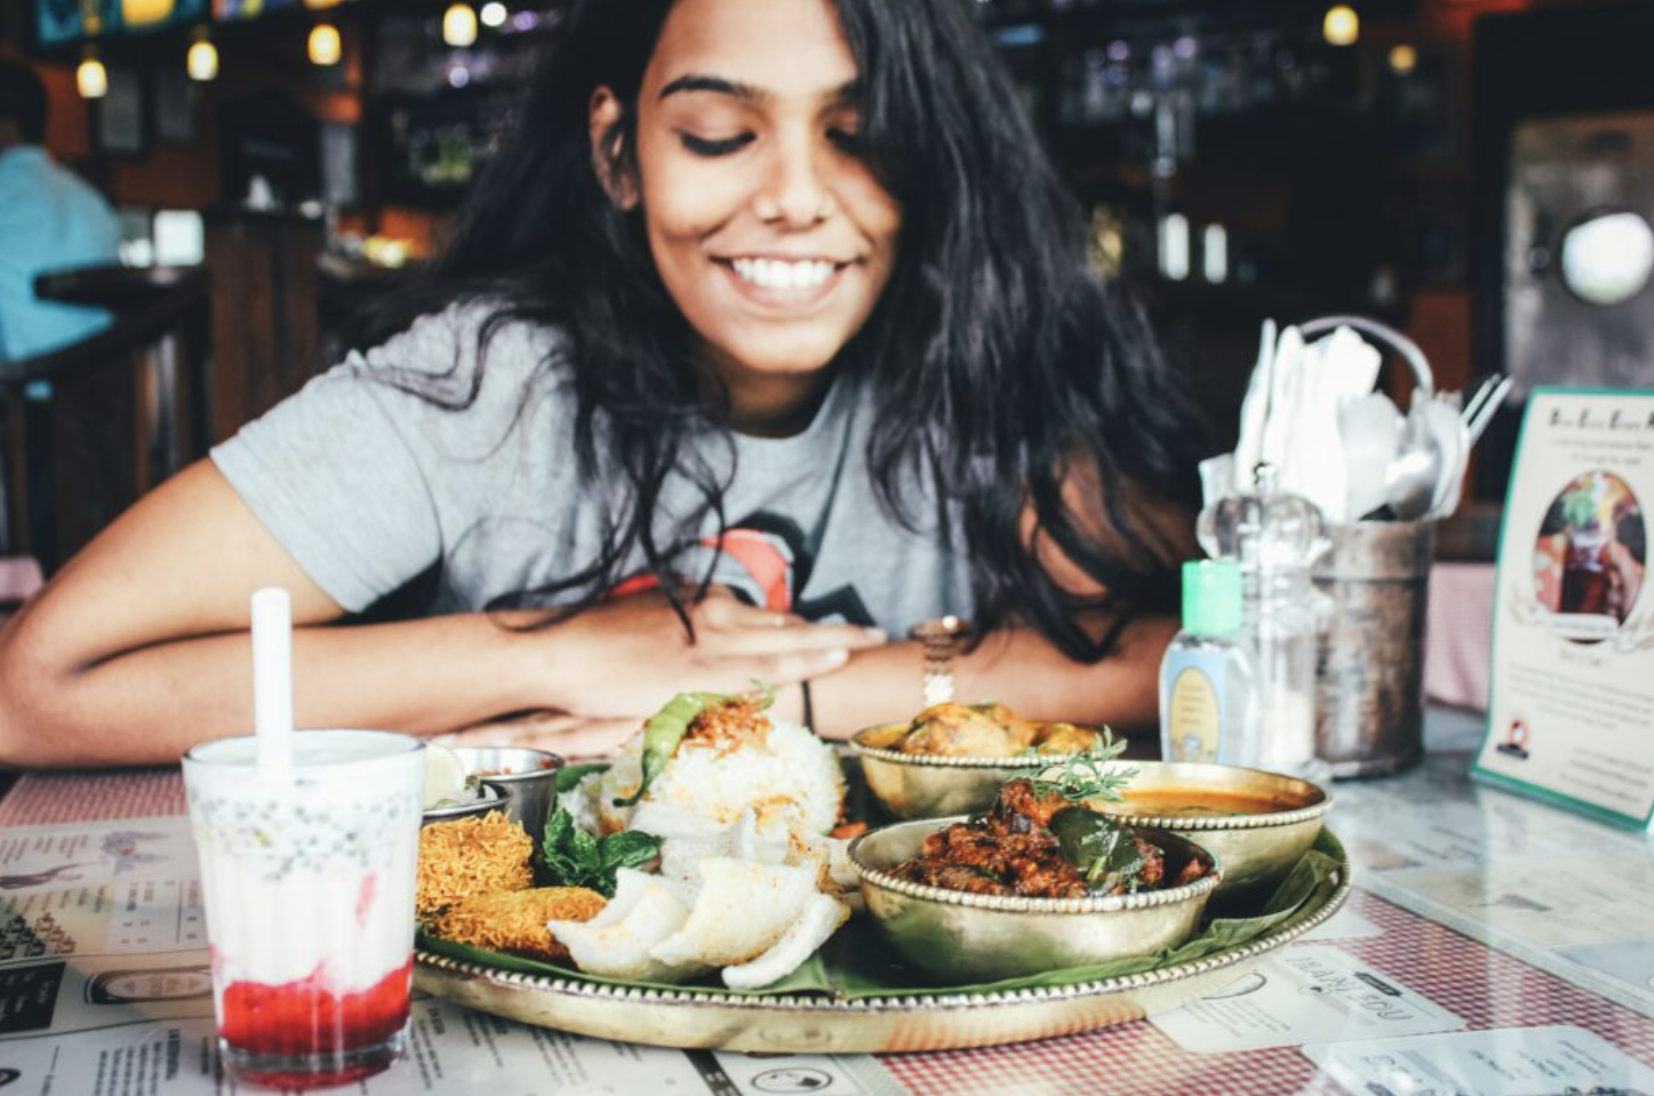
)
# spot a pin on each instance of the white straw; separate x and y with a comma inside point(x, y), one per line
point(273, 680)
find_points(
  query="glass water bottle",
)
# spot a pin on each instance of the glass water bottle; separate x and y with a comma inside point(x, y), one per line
point(1274, 537)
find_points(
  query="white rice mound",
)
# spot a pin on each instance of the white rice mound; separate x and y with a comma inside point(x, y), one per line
point(790, 778)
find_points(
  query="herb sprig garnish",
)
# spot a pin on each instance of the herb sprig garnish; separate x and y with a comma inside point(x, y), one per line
point(574, 858)
point(1086, 775)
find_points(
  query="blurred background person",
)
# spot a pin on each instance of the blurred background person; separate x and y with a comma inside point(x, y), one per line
point(50, 220)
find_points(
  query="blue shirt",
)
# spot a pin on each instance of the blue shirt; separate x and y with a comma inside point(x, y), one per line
point(50, 220)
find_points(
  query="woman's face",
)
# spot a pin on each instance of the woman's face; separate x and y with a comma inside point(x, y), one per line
point(768, 229)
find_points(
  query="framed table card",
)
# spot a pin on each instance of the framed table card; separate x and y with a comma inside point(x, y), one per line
point(1571, 702)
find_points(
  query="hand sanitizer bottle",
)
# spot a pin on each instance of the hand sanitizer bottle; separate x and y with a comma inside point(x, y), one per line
point(1207, 681)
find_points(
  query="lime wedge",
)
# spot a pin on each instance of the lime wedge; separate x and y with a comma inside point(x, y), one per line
point(445, 776)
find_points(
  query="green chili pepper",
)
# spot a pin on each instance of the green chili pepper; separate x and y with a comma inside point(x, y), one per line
point(664, 731)
point(667, 727)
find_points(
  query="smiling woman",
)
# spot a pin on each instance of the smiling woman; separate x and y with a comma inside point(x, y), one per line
point(768, 228)
point(767, 335)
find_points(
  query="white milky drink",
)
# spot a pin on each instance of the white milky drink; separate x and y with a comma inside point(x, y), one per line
point(308, 883)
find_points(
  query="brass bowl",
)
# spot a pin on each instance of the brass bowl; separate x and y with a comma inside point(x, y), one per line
point(962, 938)
point(935, 785)
point(1256, 850)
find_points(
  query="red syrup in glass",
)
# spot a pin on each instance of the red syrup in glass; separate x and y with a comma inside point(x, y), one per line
point(304, 1019)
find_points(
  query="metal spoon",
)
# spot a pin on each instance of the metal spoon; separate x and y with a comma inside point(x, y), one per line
point(1371, 429)
point(1411, 479)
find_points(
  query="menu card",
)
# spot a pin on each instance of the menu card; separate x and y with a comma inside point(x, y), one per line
point(1571, 702)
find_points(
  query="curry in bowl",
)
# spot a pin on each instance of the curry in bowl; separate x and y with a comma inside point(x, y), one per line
point(1041, 845)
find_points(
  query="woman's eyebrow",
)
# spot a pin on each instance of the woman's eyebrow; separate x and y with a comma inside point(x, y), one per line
point(716, 84)
point(844, 93)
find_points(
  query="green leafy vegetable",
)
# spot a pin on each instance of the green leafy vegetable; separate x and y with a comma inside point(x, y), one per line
point(1087, 775)
point(570, 776)
point(574, 858)
point(1101, 849)
point(666, 728)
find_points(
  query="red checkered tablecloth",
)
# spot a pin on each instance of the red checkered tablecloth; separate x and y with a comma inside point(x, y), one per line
point(1458, 638)
point(48, 799)
point(1486, 987)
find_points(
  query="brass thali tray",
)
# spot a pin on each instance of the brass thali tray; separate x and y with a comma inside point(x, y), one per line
point(822, 1024)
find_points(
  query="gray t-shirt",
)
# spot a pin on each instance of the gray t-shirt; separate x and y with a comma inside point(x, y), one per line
point(368, 485)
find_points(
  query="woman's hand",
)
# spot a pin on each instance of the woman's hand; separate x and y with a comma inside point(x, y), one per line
point(627, 657)
point(572, 738)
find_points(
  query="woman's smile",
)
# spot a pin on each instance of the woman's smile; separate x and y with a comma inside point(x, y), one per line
point(783, 286)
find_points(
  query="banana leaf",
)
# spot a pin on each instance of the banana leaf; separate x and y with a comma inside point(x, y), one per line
point(857, 962)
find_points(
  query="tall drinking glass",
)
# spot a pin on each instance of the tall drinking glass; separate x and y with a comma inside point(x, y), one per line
point(308, 882)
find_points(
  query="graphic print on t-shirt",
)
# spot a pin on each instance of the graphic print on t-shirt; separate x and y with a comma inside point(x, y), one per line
point(765, 562)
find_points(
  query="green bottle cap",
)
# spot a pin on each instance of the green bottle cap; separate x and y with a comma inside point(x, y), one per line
point(1211, 597)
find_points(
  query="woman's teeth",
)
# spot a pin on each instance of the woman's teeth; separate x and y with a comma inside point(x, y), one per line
point(777, 274)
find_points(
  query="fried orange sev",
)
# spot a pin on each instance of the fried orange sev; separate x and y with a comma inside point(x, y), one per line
point(515, 921)
point(730, 724)
point(470, 856)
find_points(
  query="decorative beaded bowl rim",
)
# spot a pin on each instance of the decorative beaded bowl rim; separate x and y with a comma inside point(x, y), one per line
point(1223, 823)
point(1001, 903)
point(950, 761)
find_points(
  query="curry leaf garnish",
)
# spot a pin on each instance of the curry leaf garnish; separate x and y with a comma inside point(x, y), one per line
point(574, 858)
point(1086, 775)
point(1103, 850)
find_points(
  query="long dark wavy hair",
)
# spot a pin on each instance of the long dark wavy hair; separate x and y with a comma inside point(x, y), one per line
point(1004, 367)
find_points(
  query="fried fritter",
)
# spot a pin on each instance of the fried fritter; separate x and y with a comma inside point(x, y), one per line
point(471, 856)
point(985, 730)
point(1064, 738)
point(968, 730)
point(515, 921)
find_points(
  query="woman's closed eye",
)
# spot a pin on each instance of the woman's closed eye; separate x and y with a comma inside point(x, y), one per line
point(714, 146)
point(846, 140)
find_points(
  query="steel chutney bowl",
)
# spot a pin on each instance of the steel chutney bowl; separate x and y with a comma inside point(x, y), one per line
point(527, 776)
point(958, 937)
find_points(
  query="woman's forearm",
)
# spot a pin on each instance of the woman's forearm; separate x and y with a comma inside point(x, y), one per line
point(1018, 667)
point(151, 704)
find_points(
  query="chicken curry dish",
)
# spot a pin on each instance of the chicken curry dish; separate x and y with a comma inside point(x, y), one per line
point(1036, 842)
